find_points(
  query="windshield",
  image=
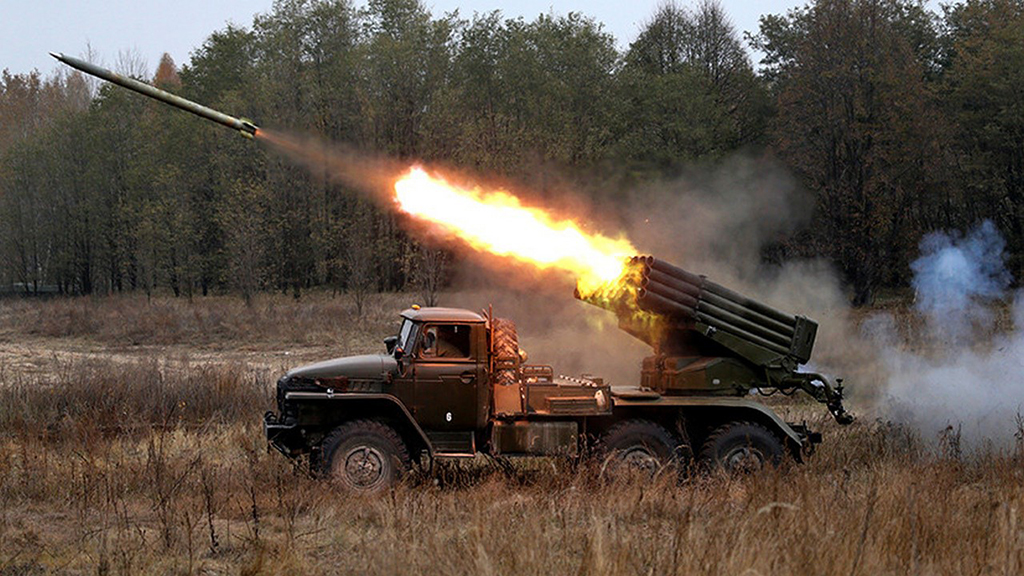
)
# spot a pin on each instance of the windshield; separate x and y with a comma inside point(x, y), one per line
point(405, 334)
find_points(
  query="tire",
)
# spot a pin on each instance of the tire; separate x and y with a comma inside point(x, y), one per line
point(507, 360)
point(741, 447)
point(506, 344)
point(637, 445)
point(505, 377)
point(364, 456)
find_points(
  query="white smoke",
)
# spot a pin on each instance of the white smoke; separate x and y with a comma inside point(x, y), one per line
point(955, 276)
point(962, 375)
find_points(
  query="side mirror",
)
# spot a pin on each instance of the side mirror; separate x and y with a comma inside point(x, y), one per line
point(391, 342)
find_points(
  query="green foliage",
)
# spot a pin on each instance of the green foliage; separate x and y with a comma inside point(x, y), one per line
point(854, 122)
point(982, 84)
point(688, 91)
point(520, 93)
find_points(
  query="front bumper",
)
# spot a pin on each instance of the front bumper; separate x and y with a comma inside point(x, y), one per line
point(285, 437)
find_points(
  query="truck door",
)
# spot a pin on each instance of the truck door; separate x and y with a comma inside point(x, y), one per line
point(447, 377)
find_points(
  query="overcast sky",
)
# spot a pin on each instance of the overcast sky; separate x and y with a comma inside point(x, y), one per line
point(29, 29)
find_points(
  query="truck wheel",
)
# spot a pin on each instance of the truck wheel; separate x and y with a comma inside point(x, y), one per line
point(506, 351)
point(741, 447)
point(637, 445)
point(364, 456)
point(506, 342)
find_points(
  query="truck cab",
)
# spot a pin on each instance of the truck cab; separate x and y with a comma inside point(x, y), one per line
point(450, 383)
point(437, 353)
point(443, 353)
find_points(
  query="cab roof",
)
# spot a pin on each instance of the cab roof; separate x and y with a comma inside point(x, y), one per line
point(442, 315)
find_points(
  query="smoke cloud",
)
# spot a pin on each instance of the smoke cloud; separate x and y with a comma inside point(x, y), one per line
point(967, 372)
point(954, 275)
point(370, 174)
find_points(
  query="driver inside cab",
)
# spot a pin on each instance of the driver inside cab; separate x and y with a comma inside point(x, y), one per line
point(445, 342)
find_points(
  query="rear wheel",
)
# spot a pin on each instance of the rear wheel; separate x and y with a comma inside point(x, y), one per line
point(364, 456)
point(637, 445)
point(741, 447)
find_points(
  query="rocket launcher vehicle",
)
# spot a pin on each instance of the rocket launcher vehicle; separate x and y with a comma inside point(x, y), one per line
point(245, 127)
point(710, 340)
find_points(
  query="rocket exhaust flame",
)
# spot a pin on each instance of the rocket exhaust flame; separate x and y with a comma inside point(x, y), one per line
point(496, 222)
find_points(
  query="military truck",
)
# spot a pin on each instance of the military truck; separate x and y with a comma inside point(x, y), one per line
point(452, 383)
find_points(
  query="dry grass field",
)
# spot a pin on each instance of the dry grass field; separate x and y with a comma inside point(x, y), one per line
point(130, 443)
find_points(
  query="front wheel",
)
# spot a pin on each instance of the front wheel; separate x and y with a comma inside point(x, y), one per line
point(739, 447)
point(364, 456)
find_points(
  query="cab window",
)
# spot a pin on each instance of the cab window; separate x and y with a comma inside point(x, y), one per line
point(405, 334)
point(448, 341)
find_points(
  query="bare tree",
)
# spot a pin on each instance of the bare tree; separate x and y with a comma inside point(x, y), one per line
point(243, 219)
point(429, 273)
point(132, 63)
point(361, 256)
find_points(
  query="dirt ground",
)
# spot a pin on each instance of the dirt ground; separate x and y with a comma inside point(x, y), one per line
point(38, 356)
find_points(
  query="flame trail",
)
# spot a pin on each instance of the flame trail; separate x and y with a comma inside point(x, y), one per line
point(494, 222)
point(498, 223)
point(369, 173)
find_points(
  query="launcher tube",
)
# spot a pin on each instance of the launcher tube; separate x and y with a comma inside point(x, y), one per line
point(670, 292)
point(703, 284)
point(660, 305)
point(690, 295)
point(748, 303)
point(756, 317)
point(676, 271)
point(672, 282)
point(729, 318)
point(740, 333)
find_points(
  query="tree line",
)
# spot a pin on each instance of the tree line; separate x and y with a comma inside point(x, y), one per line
point(898, 121)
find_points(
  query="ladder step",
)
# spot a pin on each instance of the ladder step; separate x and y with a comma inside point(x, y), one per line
point(453, 443)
